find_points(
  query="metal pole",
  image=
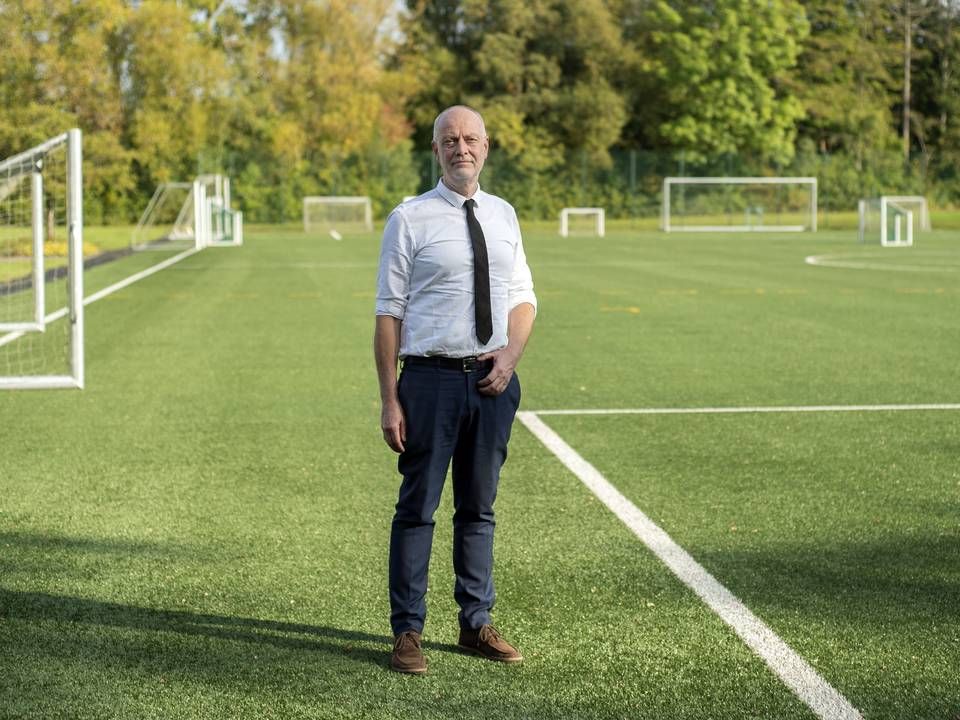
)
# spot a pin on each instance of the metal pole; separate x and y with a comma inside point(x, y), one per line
point(75, 249)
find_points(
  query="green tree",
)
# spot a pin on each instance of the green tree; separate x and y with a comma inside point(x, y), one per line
point(316, 112)
point(59, 70)
point(844, 78)
point(713, 78)
point(540, 71)
point(543, 75)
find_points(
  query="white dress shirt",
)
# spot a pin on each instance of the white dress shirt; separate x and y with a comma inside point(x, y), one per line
point(426, 272)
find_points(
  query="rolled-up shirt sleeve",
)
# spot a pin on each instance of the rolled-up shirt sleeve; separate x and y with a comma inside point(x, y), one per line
point(520, 289)
point(396, 262)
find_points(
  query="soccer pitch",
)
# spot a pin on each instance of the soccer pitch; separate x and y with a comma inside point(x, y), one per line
point(202, 532)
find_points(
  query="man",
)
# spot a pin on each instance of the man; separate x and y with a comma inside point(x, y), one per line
point(455, 302)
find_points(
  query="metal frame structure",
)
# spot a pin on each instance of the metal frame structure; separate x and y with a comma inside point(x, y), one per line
point(899, 206)
point(205, 215)
point(669, 182)
point(363, 200)
point(73, 311)
point(598, 212)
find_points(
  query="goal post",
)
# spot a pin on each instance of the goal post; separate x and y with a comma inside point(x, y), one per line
point(41, 274)
point(226, 224)
point(337, 214)
point(739, 204)
point(597, 226)
point(896, 220)
point(185, 215)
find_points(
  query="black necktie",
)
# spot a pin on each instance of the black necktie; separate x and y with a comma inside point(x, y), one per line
point(481, 276)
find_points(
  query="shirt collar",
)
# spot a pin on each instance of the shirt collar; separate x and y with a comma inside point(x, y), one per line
point(455, 198)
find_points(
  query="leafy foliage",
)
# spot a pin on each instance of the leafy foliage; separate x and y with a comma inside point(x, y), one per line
point(586, 101)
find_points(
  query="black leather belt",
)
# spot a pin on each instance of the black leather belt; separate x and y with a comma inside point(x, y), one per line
point(465, 364)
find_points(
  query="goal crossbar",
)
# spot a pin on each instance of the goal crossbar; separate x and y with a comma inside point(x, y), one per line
point(330, 202)
point(597, 212)
point(808, 213)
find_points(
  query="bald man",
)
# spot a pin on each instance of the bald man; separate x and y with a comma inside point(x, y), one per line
point(455, 304)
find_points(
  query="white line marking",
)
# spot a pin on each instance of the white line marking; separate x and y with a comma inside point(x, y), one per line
point(841, 261)
point(139, 276)
point(100, 294)
point(770, 409)
point(793, 670)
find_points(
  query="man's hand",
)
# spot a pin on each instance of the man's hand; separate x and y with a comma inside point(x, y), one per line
point(504, 363)
point(394, 426)
point(519, 325)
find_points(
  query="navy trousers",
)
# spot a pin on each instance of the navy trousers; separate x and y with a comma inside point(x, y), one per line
point(448, 420)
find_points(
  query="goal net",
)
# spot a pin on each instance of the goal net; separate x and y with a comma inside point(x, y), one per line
point(41, 266)
point(739, 204)
point(894, 220)
point(226, 224)
point(337, 214)
point(183, 215)
point(582, 221)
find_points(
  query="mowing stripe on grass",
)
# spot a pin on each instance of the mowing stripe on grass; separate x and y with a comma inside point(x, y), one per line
point(760, 409)
point(793, 670)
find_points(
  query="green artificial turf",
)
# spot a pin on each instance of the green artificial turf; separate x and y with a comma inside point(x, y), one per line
point(202, 531)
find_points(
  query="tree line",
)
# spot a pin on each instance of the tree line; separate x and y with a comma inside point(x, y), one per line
point(581, 97)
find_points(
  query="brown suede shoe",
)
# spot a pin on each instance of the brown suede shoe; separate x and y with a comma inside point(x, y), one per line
point(407, 657)
point(487, 642)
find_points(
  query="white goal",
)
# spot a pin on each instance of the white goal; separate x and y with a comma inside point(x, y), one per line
point(582, 221)
point(894, 220)
point(41, 266)
point(739, 204)
point(183, 215)
point(336, 214)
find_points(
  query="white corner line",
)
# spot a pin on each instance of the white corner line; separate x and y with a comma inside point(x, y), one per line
point(758, 409)
point(821, 697)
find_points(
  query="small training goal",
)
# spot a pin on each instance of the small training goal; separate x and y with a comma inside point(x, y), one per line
point(582, 221)
point(893, 220)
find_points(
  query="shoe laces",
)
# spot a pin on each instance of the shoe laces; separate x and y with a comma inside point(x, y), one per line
point(406, 638)
point(489, 634)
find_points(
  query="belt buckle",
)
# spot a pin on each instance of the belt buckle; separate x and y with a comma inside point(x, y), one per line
point(470, 364)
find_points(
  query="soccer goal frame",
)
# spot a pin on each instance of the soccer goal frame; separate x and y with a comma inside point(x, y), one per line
point(900, 219)
point(205, 217)
point(311, 201)
point(669, 183)
point(33, 162)
point(226, 224)
point(597, 212)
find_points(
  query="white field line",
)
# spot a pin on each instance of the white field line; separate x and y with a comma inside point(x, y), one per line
point(793, 670)
point(57, 314)
point(136, 277)
point(843, 261)
point(759, 409)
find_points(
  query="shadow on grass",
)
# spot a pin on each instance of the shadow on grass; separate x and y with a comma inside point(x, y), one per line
point(342, 643)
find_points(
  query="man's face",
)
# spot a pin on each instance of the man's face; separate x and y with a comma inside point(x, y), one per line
point(461, 147)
